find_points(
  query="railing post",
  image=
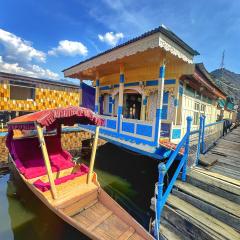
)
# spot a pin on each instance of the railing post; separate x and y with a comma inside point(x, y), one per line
point(199, 139)
point(203, 135)
point(186, 152)
point(159, 203)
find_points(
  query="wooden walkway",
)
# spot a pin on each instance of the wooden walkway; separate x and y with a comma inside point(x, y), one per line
point(207, 205)
point(224, 158)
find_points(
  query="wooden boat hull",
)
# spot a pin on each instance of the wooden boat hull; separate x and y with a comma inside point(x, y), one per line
point(94, 213)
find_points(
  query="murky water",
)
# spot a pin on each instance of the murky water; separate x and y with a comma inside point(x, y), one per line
point(128, 178)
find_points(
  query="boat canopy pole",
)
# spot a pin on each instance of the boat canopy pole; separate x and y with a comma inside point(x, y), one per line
point(93, 155)
point(46, 160)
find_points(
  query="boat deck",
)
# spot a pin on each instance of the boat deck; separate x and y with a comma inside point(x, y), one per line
point(99, 219)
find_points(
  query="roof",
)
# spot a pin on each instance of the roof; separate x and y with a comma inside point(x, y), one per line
point(26, 79)
point(203, 70)
point(53, 117)
point(168, 33)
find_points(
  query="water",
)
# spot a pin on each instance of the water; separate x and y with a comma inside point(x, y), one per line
point(128, 178)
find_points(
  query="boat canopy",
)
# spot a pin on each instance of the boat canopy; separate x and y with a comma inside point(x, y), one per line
point(53, 118)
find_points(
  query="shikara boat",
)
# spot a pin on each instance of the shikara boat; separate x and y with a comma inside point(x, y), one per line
point(71, 190)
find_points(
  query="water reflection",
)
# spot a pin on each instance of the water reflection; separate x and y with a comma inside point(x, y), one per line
point(126, 177)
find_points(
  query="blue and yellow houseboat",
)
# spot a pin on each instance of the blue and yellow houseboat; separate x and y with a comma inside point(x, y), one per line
point(145, 89)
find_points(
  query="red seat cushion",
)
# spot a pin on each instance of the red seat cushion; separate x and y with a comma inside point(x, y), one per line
point(29, 160)
point(46, 186)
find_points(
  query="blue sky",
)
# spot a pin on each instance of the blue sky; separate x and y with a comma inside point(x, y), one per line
point(41, 38)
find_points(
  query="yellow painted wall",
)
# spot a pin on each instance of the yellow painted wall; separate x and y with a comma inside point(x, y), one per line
point(46, 97)
point(148, 72)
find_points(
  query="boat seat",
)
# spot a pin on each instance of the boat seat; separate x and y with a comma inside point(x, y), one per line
point(28, 157)
point(45, 186)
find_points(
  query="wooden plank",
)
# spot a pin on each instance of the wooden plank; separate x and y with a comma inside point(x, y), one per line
point(127, 234)
point(219, 176)
point(88, 216)
point(213, 181)
point(112, 226)
point(219, 214)
point(226, 168)
point(208, 160)
point(205, 219)
point(99, 220)
point(136, 236)
point(169, 231)
point(225, 151)
point(122, 214)
point(77, 206)
point(225, 171)
point(188, 226)
point(229, 160)
point(210, 198)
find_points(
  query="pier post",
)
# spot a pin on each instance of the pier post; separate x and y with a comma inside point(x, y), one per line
point(159, 104)
point(199, 140)
point(203, 135)
point(159, 200)
point(186, 151)
point(120, 96)
point(97, 108)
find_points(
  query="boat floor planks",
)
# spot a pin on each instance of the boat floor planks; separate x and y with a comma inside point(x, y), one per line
point(103, 223)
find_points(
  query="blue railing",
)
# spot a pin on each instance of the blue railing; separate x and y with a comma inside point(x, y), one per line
point(208, 134)
point(163, 168)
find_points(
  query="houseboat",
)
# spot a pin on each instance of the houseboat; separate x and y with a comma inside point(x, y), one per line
point(145, 89)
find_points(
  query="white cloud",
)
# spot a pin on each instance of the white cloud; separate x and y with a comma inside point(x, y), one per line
point(29, 70)
point(18, 56)
point(17, 49)
point(69, 48)
point(111, 38)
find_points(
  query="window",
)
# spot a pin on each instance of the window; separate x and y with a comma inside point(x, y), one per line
point(22, 91)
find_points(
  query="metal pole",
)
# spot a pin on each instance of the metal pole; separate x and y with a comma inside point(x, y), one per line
point(93, 155)
point(186, 152)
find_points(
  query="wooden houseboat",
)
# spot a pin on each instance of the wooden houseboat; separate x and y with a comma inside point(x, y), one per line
point(69, 189)
point(146, 87)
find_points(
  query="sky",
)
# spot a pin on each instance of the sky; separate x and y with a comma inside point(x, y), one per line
point(41, 38)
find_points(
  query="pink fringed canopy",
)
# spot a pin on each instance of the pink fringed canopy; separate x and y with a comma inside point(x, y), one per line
point(26, 151)
point(54, 117)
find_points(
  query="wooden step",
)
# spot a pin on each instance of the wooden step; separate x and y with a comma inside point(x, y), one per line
point(170, 232)
point(214, 185)
point(210, 198)
point(226, 183)
point(206, 222)
point(219, 214)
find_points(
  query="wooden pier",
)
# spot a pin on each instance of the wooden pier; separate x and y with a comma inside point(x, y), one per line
point(207, 205)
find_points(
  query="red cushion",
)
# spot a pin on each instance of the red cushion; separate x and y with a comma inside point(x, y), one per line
point(29, 159)
point(46, 186)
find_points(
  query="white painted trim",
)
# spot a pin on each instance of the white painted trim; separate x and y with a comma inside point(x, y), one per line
point(156, 40)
